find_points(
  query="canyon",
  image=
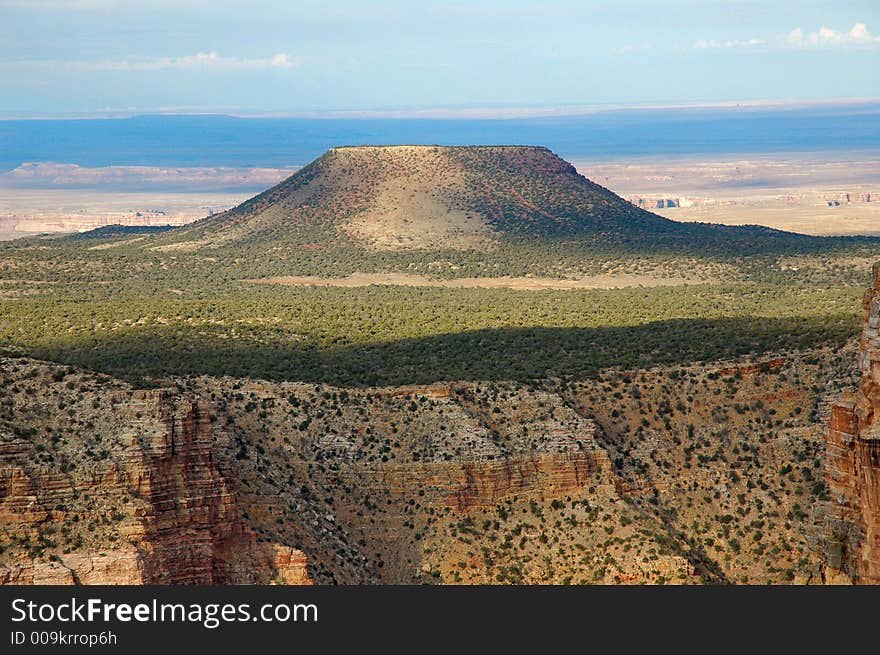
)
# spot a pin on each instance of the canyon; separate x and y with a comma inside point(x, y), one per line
point(228, 481)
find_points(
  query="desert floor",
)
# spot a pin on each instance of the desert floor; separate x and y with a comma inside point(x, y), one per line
point(788, 192)
point(30, 211)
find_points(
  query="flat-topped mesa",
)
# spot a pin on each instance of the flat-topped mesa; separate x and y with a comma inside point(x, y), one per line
point(436, 147)
point(429, 197)
point(851, 539)
point(431, 160)
point(365, 198)
point(405, 148)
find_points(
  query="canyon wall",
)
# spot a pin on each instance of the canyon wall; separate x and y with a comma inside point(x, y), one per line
point(223, 480)
point(161, 510)
point(851, 534)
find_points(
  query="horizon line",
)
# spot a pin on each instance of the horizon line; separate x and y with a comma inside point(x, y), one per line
point(451, 113)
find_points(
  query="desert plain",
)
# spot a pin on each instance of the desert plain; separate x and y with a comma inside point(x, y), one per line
point(818, 194)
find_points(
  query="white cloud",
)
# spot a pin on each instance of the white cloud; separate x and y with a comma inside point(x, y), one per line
point(796, 36)
point(627, 49)
point(705, 44)
point(201, 61)
point(282, 60)
point(859, 33)
point(826, 37)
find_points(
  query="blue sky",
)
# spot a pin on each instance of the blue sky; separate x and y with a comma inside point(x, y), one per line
point(300, 56)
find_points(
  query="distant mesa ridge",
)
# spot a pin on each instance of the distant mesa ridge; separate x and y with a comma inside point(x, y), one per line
point(116, 229)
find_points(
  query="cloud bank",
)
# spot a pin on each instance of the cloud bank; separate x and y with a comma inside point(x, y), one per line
point(199, 61)
point(859, 35)
point(825, 37)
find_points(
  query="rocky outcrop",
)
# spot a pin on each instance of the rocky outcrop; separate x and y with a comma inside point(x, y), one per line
point(174, 516)
point(657, 203)
point(746, 370)
point(851, 534)
point(547, 475)
point(837, 199)
point(466, 485)
point(122, 566)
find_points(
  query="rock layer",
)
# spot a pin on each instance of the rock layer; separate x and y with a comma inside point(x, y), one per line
point(467, 485)
point(177, 517)
point(851, 535)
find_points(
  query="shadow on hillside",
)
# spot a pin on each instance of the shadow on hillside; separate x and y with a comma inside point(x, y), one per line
point(491, 354)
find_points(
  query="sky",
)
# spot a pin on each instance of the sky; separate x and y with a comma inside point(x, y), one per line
point(106, 57)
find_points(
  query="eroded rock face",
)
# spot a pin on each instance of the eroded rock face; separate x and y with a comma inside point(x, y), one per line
point(851, 539)
point(172, 516)
point(225, 480)
point(467, 485)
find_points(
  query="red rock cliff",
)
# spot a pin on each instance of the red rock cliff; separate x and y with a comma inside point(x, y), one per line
point(851, 542)
point(180, 525)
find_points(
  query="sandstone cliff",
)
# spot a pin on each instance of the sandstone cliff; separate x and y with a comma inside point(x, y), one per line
point(154, 501)
point(851, 535)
